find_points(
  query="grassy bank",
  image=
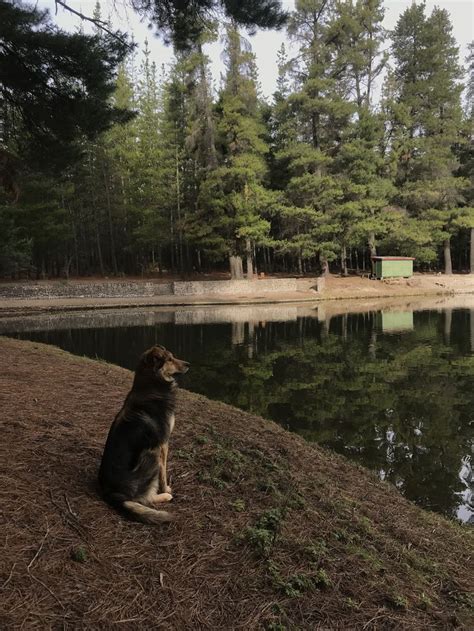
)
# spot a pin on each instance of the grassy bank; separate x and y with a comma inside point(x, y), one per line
point(270, 532)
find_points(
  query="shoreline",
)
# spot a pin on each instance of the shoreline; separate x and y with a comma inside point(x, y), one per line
point(256, 313)
point(270, 531)
point(336, 289)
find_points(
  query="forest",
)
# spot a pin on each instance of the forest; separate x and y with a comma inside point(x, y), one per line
point(365, 148)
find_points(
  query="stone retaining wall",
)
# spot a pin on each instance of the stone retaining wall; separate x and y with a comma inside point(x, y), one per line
point(130, 289)
point(237, 287)
point(114, 289)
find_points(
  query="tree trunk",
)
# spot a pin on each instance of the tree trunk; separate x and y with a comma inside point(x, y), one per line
point(248, 249)
point(373, 343)
point(160, 261)
point(448, 266)
point(250, 341)
point(324, 265)
point(344, 261)
point(178, 208)
point(238, 333)
point(372, 250)
point(471, 318)
point(448, 316)
point(236, 268)
point(99, 253)
point(111, 228)
point(471, 259)
point(344, 326)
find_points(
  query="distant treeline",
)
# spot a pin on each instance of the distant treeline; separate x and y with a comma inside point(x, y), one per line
point(332, 171)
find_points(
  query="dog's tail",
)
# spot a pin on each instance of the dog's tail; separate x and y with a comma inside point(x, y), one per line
point(145, 514)
point(137, 511)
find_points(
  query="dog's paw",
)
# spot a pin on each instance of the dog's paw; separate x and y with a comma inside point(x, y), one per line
point(168, 490)
point(162, 497)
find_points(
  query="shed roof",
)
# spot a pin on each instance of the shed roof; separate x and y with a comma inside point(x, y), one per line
point(393, 258)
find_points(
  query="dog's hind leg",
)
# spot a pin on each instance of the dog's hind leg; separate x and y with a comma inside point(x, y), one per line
point(153, 495)
point(163, 462)
point(146, 514)
point(160, 497)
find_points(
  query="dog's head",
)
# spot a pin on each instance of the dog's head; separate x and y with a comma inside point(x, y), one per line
point(160, 364)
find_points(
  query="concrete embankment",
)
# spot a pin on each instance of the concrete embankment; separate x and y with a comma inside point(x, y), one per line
point(81, 294)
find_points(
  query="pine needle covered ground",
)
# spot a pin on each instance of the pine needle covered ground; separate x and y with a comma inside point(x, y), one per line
point(270, 532)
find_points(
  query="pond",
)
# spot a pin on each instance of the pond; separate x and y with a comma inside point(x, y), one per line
point(392, 389)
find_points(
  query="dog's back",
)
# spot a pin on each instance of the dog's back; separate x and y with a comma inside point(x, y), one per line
point(129, 470)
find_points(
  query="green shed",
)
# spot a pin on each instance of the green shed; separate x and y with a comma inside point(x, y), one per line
point(395, 321)
point(393, 266)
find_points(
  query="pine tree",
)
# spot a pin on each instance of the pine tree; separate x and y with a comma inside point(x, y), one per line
point(200, 141)
point(427, 121)
point(362, 56)
point(172, 173)
point(58, 84)
point(151, 235)
point(469, 96)
point(361, 37)
point(466, 152)
point(323, 110)
point(233, 200)
point(184, 23)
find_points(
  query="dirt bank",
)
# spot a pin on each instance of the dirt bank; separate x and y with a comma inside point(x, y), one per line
point(335, 288)
point(270, 532)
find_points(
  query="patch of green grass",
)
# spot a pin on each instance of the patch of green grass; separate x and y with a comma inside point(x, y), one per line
point(316, 551)
point(79, 554)
point(296, 585)
point(279, 620)
point(227, 455)
point(296, 501)
point(367, 555)
point(267, 486)
point(397, 601)
point(218, 483)
point(202, 440)
point(275, 626)
point(184, 454)
point(238, 505)
point(226, 466)
point(461, 598)
point(366, 525)
point(425, 602)
point(262, 536)
point(352, 604)
point(343, 535)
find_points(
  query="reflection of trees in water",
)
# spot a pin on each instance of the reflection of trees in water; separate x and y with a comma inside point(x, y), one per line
point(400, 404)
point(466, 475)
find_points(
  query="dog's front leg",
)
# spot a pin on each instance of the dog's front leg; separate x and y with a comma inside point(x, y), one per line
point(163, 481)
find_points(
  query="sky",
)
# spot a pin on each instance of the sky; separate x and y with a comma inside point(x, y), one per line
point(265, 44)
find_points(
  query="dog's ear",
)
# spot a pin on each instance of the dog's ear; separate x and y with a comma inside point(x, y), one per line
point(153, 360)
point(157, 362)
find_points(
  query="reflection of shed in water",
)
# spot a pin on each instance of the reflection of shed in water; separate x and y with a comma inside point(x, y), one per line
point(393, 321)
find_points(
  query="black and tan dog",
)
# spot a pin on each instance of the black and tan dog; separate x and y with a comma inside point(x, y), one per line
point(132, 473)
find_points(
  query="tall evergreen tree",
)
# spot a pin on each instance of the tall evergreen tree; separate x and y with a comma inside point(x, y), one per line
point(427, 121)
point(234, 199)
point(183, 23)
point(322, 107)
point(56, 84)
point(151, 235)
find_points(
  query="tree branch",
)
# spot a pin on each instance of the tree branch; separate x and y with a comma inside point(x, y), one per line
point(100, 24)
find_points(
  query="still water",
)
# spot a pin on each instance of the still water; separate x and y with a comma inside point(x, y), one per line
point(392, 390)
